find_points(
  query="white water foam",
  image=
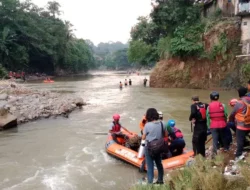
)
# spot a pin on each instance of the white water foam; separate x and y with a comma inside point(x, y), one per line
point(27, 180)
point(87, 150)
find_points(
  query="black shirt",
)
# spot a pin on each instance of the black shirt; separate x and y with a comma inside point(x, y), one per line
point(195, 114)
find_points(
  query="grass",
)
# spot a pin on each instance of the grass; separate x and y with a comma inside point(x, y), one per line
point(204, 175)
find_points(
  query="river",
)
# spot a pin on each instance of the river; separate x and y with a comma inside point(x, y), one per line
point(64, 154)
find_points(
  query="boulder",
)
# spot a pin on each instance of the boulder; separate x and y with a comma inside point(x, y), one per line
point(2, 104)
point(3, 96)
point(7, 120)
point(78, 102)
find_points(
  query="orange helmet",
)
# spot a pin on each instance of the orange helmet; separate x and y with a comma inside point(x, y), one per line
point(116, 116)
point(233, 102)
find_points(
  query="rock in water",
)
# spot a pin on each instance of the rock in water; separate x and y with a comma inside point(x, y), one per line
point(3, 96)
point(79, 102)
point(7, 120)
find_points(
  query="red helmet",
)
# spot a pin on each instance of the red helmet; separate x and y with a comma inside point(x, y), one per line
point(233, 102)
point(116, 116)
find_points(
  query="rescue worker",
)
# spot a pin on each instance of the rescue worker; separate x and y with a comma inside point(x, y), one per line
point(216, 121)
point(198, 121)
point(167, 127)
point(241, 113)
point(126, 82)
point(231, 120)
point(130, 82)
point(177, 143)
point(145, 82)
point(171, 135)
point(115, 128)
point(143, 123)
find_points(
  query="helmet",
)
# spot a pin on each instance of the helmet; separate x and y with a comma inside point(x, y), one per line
point(160, 114)
point(116, 116)
point(171, 123)
point(233, 102)
point(214, 96)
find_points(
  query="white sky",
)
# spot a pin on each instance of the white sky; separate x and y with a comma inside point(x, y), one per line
point(102, 20)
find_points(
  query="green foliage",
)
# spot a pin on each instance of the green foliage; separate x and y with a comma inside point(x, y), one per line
point(245, 71)
point(34, 39)
point(220, 49)
point(163, 47)
point(173, 28)
point(117, 60)
point(112, 55)
point(202, 176)
point(3, 71)
point(139, 52)
point(187, 40)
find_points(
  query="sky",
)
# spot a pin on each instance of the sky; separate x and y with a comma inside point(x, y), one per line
point(102, 20)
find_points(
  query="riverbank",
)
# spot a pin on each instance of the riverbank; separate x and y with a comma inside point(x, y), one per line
point(27, 104)
point(221, 172)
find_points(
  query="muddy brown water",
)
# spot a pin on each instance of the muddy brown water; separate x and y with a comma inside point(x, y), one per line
point(64, 154)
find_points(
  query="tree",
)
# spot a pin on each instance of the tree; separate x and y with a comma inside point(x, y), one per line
point(54, 8)
point(32, 39)
point(139, 52)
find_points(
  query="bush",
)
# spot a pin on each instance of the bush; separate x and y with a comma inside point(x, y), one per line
point(3, 72)
point(203, 175)
point(187, 40)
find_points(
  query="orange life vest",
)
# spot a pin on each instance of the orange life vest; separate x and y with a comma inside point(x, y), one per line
point(143, 123)
point(241, 116)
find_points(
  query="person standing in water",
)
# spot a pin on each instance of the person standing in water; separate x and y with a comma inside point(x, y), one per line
point(130, 82)
point(126, 82)
point(120, 85)
point(145, 82)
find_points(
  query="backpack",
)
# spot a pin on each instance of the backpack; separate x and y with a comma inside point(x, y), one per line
point(202, 110)
point(158, 146)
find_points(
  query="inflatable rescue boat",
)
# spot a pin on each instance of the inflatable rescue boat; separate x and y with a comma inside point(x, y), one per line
point(48, 81)
point(128, 155)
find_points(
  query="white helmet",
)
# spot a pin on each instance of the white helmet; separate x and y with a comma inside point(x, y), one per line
point(160, 114)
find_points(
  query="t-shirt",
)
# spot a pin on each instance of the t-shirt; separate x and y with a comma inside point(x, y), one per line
point(153, 131)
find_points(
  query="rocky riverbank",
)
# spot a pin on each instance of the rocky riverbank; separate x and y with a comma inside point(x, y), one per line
point(27, 104)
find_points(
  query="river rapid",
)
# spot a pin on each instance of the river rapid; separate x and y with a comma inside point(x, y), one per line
point(64, 153)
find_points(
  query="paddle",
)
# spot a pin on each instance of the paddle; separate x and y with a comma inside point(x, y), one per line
point(101, 133)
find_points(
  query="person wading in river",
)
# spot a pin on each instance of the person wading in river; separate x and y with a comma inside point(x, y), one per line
point(199, 122)
point(130, 82)
point(153, 130)
point(145, 82)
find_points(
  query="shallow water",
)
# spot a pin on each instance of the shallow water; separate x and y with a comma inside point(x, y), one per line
point(64, 154)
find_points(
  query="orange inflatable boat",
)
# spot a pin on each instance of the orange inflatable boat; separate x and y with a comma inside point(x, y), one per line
point(130, 156)
point(48, 81)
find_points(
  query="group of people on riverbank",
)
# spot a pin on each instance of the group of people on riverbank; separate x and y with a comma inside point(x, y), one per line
point(164, 140)
point(214, 118)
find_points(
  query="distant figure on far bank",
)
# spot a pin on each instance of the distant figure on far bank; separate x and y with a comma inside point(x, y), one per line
point(130, 82)
point(120, 85)
point(145, 82)
point(126, 82)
